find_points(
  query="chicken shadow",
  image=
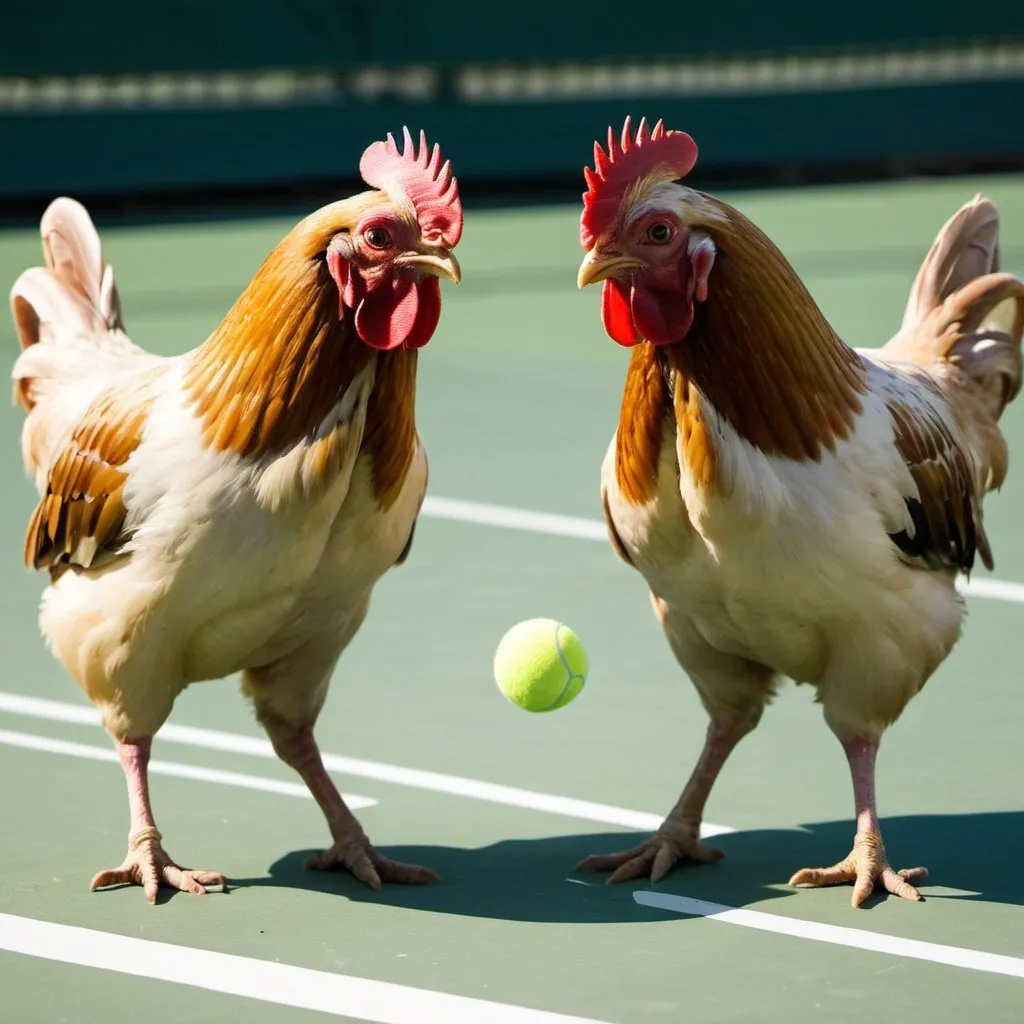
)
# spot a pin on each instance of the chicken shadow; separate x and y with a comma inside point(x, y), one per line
point(532, 880)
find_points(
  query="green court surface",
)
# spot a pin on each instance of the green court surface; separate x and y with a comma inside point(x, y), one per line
point(518, 397)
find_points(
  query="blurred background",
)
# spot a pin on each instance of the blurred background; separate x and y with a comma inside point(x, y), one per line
point(194, 104)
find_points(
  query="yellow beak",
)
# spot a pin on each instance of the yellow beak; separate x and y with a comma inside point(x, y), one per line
point(438, 266)
point(596, 267)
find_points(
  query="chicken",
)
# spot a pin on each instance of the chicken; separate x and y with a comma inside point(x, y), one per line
point(797, 507)
point(230, 509)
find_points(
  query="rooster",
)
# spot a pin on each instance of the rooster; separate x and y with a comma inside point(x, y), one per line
point(230, 509)
point(797, 507)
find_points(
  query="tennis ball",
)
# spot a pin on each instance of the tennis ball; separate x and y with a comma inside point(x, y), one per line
point(540, 665)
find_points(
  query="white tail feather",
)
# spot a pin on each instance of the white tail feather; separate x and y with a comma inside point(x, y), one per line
point(963, 312)
point(69, 311)
point(68, 318)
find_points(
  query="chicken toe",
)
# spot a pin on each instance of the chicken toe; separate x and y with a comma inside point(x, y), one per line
point(352, 850)
point(357, 855)
point(867, 868)
point(653, 859)
point(149, 865)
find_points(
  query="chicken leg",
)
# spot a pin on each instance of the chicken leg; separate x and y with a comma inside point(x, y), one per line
point(147, 863)
point(352, 849)
point(866, 866)
point(678, 838)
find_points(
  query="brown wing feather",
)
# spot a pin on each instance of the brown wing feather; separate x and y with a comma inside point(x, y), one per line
point(82, 511)
point(946, 514)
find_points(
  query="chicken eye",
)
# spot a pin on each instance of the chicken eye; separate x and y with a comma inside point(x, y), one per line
point(378, 238)
point(660, 233)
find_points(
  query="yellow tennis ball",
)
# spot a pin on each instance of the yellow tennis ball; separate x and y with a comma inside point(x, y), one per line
point(540, 665)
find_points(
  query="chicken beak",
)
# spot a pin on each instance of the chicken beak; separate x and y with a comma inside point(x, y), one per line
point(437, 266)
point(597, 266)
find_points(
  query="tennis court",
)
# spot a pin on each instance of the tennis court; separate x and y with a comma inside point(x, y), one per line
point(518, 397)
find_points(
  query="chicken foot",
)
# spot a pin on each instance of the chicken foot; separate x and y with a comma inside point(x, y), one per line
point(866, 866)
point(678, 838)
point(351, 849)
point(147, 863)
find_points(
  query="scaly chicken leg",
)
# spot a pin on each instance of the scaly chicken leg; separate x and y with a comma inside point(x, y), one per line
point(352, 849)
point(288, 695)
point(147, 863)
point(734, 692)
point(866, 866)
point(678, 838)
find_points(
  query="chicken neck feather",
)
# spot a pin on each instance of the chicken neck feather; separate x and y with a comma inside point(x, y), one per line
point(279, 362)
point(760, 353)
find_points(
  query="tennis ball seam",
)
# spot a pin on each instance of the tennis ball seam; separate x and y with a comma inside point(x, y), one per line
point(573, 676)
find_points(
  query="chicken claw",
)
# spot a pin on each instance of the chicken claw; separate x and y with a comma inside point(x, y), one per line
point(653, 858)
point(358, 856)
point(868, 869)
point(148, 865)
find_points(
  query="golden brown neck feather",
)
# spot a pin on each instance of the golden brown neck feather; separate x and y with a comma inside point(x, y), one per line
point(281, 360)
point(642, 418)
point(760, 351)
point(390, 435)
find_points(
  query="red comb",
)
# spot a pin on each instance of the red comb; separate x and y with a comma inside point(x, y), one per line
point(422, 178)
point(665, 154)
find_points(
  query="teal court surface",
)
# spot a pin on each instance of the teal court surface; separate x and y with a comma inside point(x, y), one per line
point(518, 397)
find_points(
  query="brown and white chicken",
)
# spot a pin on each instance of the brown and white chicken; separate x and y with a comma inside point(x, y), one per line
point(230, 509)
point(798, 508)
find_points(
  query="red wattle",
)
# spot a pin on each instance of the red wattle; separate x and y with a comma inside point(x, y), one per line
point(616, 314)
point(428, 315)
point(661, 317)
point(400, 310)
point(385, 318)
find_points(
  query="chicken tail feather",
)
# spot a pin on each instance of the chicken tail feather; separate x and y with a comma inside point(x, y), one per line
point(963, 325)
point(66, 311)
point(964, 313)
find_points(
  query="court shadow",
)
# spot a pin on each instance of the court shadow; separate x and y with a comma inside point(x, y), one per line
point(532, 880)
point(521, 880)
point(975, 853)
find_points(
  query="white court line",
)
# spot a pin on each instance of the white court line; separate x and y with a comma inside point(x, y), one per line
point(513, 518)
point(856, 938)
point(341, 995)
point(454, 785)
point(30, 741)
point(593, 529)
point(997, 590)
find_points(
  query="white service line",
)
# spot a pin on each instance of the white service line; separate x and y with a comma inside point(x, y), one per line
point(856, 938)
point(48, 745)
point(454, 785)
point(513, 518)
point(593, 529)
point(341, 995)
point(997, 590)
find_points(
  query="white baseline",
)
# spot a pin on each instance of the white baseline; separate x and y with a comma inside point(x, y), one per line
point(341, 995)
